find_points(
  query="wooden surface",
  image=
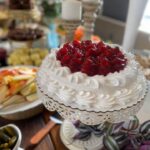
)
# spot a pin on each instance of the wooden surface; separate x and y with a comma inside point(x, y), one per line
point(30, 126)
point(52, 141)
point(54, 134)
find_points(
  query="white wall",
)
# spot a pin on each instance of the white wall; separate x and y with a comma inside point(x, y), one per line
point(108, 28)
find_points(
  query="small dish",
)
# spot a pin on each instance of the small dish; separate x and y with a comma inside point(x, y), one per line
point(18, 133)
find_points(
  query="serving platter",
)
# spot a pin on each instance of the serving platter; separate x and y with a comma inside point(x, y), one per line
point(22, 110)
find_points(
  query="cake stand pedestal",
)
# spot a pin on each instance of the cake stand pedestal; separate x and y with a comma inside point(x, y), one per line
point(70, 114)
point(68, 131)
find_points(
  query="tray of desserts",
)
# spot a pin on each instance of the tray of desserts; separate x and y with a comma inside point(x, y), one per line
point(28, 35)
point(20, 5)
point(25, 34)
point(18, 95)
point(20, 9)
point(45, 29)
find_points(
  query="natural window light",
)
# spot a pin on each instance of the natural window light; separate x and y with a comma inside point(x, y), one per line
point(145, 23)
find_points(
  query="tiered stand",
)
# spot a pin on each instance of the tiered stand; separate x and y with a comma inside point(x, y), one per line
point(23, 16)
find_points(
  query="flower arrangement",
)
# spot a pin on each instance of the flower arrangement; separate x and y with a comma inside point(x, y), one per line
point(52, 9)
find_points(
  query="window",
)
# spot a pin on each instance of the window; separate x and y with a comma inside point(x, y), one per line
point(145, 23)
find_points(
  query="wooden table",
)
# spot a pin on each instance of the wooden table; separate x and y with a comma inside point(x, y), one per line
point(52, 142)
point(30, 126)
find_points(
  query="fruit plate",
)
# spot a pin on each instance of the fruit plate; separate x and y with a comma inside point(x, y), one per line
point(22, 110)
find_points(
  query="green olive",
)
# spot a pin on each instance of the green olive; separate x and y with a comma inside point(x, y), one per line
point(12, 141)
point(5, 145)
point(4, 137)
point(9, 131)
point(8, 138)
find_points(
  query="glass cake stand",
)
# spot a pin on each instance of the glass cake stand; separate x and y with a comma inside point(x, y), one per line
point(71, 114)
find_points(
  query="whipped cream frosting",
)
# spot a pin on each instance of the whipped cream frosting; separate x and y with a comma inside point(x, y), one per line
point(97, 93)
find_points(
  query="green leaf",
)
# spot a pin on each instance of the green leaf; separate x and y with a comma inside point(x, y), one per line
point(110, 143)
point(103, 126)
point(85, 136)
point(132, 124)
point(117, 127)
point(147, 136)
point(145, 128)
point(120, 138)
point(109, 127)
point(135, 144)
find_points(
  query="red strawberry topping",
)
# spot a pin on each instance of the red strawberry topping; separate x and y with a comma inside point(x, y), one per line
point(91, 58)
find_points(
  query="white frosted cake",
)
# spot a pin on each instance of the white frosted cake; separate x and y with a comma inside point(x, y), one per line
point(92, 76)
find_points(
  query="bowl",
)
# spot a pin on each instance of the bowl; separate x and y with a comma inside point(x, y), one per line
point(18, 133)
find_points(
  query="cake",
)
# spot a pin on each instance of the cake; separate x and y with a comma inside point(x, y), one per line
point(27, 34)
point(20, 4)
point(92, 76)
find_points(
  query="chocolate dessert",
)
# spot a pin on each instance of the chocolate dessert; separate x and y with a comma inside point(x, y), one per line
point(26, 34)
point(20, 4)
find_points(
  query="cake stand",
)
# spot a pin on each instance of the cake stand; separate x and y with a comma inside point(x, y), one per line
point(72, 114)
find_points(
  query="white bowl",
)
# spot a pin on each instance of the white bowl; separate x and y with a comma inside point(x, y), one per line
point(18, 133)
